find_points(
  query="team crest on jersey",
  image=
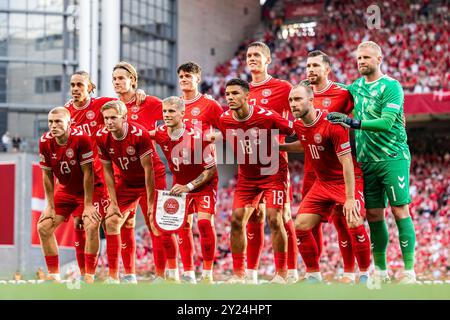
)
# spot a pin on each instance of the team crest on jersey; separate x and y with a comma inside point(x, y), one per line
point(326, 102)
point(317, 138)
point(195, 111)
point(264, 101)
point(135, 109)
point(90, 114)
point(93, 123)
point(73, 162)
point(266, 92)
point(131, 151)
point(134, 116)
point(69, 153)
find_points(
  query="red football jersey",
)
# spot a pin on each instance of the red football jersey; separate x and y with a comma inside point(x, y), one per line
point(65, 161)
point(272, 94)
point(203, 110)
point(126, 152)
point(188, 155)
point(323, 143)
point(332, 98)
point(249, 142)
point(147, 114)
point(89, 118)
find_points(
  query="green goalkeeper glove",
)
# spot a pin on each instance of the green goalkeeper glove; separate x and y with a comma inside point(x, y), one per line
point(343, 120)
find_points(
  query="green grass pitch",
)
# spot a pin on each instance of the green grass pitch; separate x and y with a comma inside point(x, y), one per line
point(147, 291)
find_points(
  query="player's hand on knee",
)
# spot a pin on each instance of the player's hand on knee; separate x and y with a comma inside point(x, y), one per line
point(351, 211)
point(92, 214)
point(48, 213)
point(112, 211)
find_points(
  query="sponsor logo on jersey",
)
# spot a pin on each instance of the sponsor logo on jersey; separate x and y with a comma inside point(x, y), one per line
point(195, 111)
point(166, 148)
point(317, 138)
point(326, 102)
point(73, 162)
point(111, 150)
point(90, 114)
point(135, 109)
point(266, 92)
point(171, 206)
point(54, 156)
point(69, 153)
point(131, 151)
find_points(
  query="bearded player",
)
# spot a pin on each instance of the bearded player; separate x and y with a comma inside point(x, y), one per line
point(338, 185)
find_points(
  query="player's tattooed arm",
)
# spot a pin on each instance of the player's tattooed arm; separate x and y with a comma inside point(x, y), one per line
point(203, 178)
point(295, 146)
point(49, 187)
point(89, 210)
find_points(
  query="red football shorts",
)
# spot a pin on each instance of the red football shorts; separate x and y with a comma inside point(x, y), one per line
point(202, 202)
point(67, 204)
point(323, 197)
point(251, 193)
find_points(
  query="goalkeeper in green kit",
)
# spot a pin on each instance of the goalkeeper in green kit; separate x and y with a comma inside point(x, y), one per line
point(382, 150)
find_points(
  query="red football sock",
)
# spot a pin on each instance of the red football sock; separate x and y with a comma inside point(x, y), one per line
point(170, 249)
point(292, 245)
point(255, 244)
point(238, 264)
point(128, 247)
point(308, 250)
point(318, 236)
point(80, 242)
point(361, 247)
point(91, 262)
point(207, 242)
point(113, 251)
point(52, 264)
point(158, 255)
point(186, 242)
point(345, 242)
point(281, 262)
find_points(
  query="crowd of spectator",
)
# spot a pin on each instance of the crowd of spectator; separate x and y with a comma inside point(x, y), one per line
point(11, 143)
point(413, 37)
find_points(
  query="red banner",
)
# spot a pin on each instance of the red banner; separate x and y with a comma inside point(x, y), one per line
point(7, 190)
point(297, 10)
point(65, 234)
point(429, 103)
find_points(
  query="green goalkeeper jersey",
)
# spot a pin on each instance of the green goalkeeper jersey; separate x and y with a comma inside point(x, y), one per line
point(371, 99)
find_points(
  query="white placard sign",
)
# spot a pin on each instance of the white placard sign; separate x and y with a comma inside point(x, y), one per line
point(170, 213)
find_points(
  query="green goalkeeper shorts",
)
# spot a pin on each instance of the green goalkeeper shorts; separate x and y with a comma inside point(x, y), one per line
point(386, 180)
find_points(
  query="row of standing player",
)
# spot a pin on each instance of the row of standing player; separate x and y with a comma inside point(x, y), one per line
point(265, 91)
